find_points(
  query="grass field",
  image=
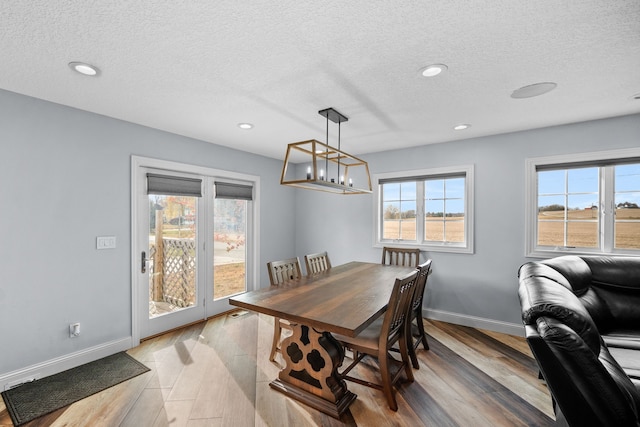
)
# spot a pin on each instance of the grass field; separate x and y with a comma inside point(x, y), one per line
point(436, 229)
point(229, 279)
point(582, 229)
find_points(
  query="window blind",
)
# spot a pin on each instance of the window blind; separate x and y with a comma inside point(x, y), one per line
point(587, 164)
point(422, 178)
point(226, 190)
point(173, 185)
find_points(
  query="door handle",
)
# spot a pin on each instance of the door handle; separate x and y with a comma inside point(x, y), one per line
point(143, 262)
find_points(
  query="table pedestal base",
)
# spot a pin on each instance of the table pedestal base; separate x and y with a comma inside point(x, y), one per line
point(310, 374)
point(334, 409)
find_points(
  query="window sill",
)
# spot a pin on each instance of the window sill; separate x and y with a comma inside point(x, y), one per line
point(448, 248)
point(552, 253)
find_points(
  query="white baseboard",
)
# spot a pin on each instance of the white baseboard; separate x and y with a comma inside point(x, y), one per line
point(516, 329)
point(62, 363)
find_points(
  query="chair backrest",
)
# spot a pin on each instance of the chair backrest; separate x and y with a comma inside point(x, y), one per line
point(423, 273)
point(284, 271)
point(401, 256)
point(398, 310)
point(317, 263)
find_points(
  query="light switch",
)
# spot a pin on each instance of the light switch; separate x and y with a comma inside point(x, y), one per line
point(105, 242)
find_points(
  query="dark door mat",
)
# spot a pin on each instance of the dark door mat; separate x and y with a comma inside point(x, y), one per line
point(35, 399)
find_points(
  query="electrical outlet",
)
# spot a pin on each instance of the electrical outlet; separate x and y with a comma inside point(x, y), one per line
point(74, 330)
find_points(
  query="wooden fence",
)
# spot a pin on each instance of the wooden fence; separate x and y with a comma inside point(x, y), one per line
point(172, 271)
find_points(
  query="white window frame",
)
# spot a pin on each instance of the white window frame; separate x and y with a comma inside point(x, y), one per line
point(467, 247)
point(606, 219)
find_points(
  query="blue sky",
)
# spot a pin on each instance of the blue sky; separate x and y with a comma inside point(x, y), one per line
point(582, 186)
point(441, 195)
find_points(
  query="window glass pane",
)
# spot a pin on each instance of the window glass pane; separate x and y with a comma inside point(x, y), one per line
point(434, 189)
point(454, 230)
point(627, 201)
point(551, 233)
point(551, 182)
point(391, 191)
point(229, 247)
point(627, 204)
point(455, 188)
point(551, 206)
point(408, 223)
point(434, 208)
point(391, 210)
point(454, 208)
point(408, 190)
point(172, 257)
point(391, 220)
point(408, 229)
point(582, 234)
point(627, 235)
point(399, 211)
point(628, 178)
point(565, 206)
point(583, 180)
point(582, 206)
point(408, 209)
point(444, 207)
point(391, 229)
point(434, 229)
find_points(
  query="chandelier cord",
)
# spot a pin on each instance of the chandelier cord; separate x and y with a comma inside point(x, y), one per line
point(339, 123)
point(326, 150)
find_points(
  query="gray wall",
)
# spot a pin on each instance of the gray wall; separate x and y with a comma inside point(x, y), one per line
point(65, 179)
point(462, 287)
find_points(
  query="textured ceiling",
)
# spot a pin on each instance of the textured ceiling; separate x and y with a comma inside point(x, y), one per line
point(199, 68)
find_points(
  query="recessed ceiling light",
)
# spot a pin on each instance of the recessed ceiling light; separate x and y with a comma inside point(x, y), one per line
point(535, 89)
point(86, 69)
point(433, 70)
point(461, 126)
point(245, 126)
point(636, 96)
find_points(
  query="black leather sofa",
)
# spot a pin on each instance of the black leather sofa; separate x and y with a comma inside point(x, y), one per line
point(582, 322)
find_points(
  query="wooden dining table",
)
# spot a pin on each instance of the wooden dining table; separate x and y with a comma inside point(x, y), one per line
point(344, 299)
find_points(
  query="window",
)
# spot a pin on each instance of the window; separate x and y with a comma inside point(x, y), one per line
point(431, 209)
point(587, 203)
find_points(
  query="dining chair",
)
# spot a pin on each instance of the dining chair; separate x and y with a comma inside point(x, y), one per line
point(377, 340)
point(401, 256)
point(317, 263)
point(281, 272)
point(416, 330)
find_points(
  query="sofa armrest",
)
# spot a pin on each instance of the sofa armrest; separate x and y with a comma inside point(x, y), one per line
point(585, 390)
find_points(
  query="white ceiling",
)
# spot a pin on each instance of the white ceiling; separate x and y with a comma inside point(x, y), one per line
point(198, 68)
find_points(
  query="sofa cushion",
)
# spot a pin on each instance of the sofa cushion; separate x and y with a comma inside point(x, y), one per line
point(615, 272)
point(574, 269)
point(619, 358)
point(536, 269)
point(540, 296)
point(621, 337)
point(628, 359)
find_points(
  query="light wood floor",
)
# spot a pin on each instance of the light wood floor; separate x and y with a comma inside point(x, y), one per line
point(217, 374)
